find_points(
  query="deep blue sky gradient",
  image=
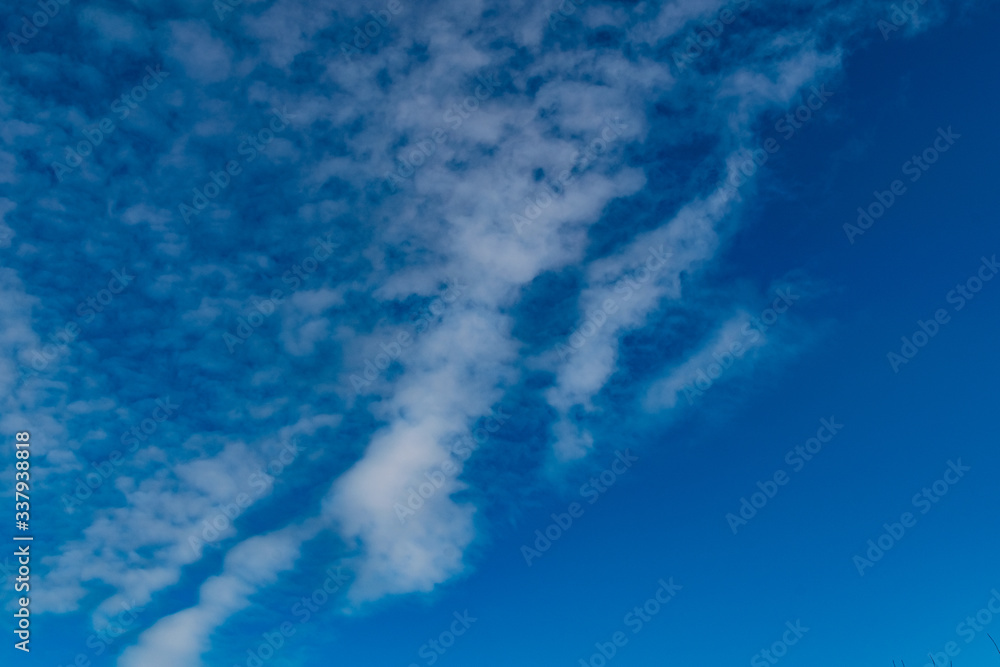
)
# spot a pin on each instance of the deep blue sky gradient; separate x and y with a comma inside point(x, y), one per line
point(665, 517)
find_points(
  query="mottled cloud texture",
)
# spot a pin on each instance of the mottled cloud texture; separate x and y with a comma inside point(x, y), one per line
point(353, 247)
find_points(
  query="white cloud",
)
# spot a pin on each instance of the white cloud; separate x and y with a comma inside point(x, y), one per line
point(205, 58)
point(451, 221)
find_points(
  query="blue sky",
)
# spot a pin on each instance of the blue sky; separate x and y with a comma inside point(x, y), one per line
point(468, 341)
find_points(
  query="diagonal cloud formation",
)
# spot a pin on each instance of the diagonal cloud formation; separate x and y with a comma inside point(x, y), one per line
point(480, 145)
